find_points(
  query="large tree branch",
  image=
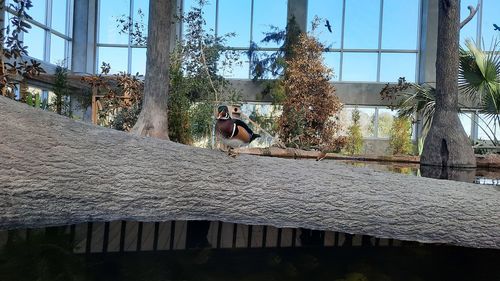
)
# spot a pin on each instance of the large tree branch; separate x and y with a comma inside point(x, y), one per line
point(472, 13)
point(56, 171)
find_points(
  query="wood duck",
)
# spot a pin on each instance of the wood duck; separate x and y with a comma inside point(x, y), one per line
point(234, 132)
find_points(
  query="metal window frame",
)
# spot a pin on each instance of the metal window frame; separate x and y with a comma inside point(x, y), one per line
point(252, 15)
point(378, 50)
point(130, 46)
point(376, 115)
point(49, 31)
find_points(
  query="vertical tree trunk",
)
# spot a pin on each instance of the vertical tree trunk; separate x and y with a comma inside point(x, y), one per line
point(447, 144)
point(153, 119)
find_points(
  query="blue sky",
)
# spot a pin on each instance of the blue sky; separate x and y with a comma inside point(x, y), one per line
point(360, 59)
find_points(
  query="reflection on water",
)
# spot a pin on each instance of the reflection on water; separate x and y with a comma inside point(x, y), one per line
point(47, 256)
point(479, 176)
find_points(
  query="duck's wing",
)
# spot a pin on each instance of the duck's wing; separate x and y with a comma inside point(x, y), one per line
point(243, 125)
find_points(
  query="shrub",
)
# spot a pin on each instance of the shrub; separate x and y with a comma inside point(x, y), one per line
point(354, 136)
point(399, 136)
point(310, 101)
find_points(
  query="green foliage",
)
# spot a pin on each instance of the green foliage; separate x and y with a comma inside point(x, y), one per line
point(33, 100)
point(272, 65)
point(268, 123)
point(400, 136)
point(410, 99)
point(126, 117)
point(479, 82)
point(202, 118)
point(13, 51)
point(385, 120)
point(195, 80)
point(61, 103)
point(265, 65)
point(179, 119)
point(29, 99)
point(38, 101)
point(354, 136)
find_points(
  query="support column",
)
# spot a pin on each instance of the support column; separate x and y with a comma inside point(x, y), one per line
point(298, 9)
point(428, 50)
point(84, 31)
point(428, 42)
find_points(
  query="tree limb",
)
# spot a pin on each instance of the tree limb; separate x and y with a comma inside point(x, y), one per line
point(472, 13)
point(57, 171)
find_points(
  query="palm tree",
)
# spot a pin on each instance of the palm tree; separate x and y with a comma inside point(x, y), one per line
point(479, 81)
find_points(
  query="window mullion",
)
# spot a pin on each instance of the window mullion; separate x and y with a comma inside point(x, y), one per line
point(131, 14)
point(48, 23)
point(342, 42)
point(380, 22)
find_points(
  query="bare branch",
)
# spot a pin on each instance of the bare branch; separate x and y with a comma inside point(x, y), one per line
point(472, 13)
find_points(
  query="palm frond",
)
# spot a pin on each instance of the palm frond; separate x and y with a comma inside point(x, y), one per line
point(479, 73)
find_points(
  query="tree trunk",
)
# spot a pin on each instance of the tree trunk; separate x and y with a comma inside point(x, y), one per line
point(153, 119)
point(72, 172)
point(447, 144)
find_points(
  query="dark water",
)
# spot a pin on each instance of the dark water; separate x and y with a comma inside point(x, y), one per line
point(479, 176)
point(48, 257)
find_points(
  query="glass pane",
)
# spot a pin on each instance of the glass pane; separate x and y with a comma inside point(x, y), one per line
point(59, 15)
point(385, 118)
point(469, 31)
point(109, 13)
point(35, 40)
point(266, 14)
point(332, 60)
point(491, 21)
point(269, 73)
point(238, 70)
point(362, 24)
point(330, 10)
point(208, 14)
point(34, 90)
point(117, 57)
point(8, 17)
point(393, 66)
point(465, 119)
point(141, 14)
point(345, 120)
point(367, 121)
point(234, 17)
point(138, 61)
point(400, 24)
point(57, 50)
point(37, 12)
point(487, 128)
point(359, 67)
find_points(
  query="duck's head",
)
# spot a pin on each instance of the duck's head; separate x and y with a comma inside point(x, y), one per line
point(223, 112)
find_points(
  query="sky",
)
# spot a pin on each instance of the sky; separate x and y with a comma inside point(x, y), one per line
point(367, 26)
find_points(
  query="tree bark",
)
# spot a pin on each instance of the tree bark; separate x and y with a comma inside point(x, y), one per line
point(447, 144)
point(153, 119)
point(56, 171)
